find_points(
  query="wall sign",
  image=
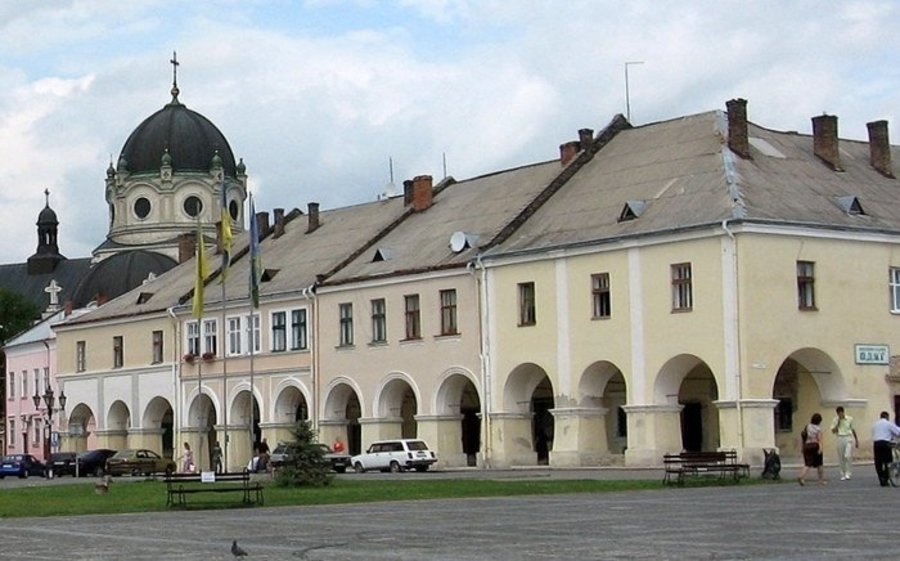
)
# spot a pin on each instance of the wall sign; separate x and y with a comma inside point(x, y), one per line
point(872, 354)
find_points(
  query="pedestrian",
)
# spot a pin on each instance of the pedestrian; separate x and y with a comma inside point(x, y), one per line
point(338, 445)
point(217, 458)
point(883, 433)
point(187, 459)
point(811, 442)
point(263, 462)
point(842, 427)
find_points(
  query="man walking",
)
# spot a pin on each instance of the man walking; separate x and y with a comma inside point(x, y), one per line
point(883, 432)
point(842, 426)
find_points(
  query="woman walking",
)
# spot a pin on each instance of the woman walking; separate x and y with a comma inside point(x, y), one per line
point(811, 441)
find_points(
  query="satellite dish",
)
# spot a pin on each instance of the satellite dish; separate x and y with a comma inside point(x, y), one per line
point(458, 242)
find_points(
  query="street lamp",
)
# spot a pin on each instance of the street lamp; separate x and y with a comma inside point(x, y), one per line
point(49, 400)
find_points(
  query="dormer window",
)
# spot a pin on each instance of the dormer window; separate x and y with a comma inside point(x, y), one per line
point(851, 205)
point(632, 210)
point(382, 254)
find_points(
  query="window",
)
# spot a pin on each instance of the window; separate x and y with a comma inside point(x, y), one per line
point(157, 347)
point(784, 415)
point(895, 289)
point(210, 332)
point(527, 311)
point(12, 385)
point(346, 318)
point(279, 331)
point(298, 330)
point(602, 306)
point(36, 432)
point(25, 393)
point(255, 333)
point(118, 352)
point(12, 433)
point(682, 292)
point(235, 336)
point(379, 321)
point(193, 338)
point(448, 312)
point(46, 378)
point(806, 294)
point(79, 356)
point(38, 388)
point(413, 319)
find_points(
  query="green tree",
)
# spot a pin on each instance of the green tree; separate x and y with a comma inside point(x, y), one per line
point(304, 463)
point(16, 315)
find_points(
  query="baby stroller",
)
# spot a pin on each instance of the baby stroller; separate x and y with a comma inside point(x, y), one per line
point(771, 465)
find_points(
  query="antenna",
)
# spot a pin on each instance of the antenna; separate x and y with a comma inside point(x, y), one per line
point(627, 97)
point(444, 158)
point(391, 168)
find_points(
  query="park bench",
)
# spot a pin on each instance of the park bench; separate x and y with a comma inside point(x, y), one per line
point(721, 463)
point(180, 485)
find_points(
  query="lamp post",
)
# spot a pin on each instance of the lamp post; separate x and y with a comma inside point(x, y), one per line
point(49, 400)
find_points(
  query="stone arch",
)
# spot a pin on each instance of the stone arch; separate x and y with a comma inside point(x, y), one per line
point(341, 414)
point(118, 422)
point(291, 403)
point(687, 381)
point(397, 398)
point(158, 424)
point(602, 386)
point(457, 398)
point(82, 428)
point(200, 429)
point(528, 394)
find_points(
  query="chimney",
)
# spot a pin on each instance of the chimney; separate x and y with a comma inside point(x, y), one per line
point(262, 224)
point(880, 148)
point(102, 299)
point(586, 138)
point(312, 212)
point(279, 223)
point(568, 151)
point(68, 308)
point(738, 138)
point(421, 192)
point(407, 192)
point(825, 140)
point(186, 246)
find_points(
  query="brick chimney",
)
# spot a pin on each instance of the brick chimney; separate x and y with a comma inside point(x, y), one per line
point(279, 223)
point(407, 192)
point(825, 141)
point(312, 214)
point(422, 193)
point(186, 246)
point(262, 224)
point(880, 148)
point(738, 137)
point(568, 151)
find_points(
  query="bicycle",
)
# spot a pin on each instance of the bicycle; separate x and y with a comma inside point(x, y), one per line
point(894, 466)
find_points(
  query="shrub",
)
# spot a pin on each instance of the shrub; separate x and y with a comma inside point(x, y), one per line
point(304, 464)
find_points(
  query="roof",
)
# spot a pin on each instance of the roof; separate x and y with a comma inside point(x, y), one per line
point(120, 273)
point(67, 274)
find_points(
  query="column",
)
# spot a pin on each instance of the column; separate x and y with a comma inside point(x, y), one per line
point(747, 426)
point(443, 433)
point(653, 430)
point(379, 428)
point(511, 440)
point(579, 436)
point(150, 439)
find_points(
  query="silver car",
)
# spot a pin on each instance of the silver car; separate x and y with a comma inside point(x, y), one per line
point(395, 455)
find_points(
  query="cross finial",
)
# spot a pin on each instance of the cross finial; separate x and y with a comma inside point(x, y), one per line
point(47, 197)
point(53, 289)
point(175, 65)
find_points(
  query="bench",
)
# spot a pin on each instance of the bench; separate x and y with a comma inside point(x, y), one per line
point(722, 463)
point(180, 485)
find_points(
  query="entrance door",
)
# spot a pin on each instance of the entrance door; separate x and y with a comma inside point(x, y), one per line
point(692, 427)
point(543, 428)
point(471, 435)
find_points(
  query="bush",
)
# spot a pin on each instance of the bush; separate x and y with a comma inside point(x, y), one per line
point(304, 465)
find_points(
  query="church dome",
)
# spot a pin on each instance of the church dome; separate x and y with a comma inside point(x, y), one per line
point(191, 139)
point(120, 273)
point(47, 216)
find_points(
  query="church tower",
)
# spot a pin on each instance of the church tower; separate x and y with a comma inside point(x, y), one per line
point(47, 256)
point(170, 175)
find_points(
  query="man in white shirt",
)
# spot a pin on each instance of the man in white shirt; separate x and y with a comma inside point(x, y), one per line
point(843, 428)
point(883, 432)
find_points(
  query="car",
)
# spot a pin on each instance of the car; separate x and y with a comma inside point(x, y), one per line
point(138, 462)
point(395, 455)
point(21, 465)
point(61, 463)
point(339, 461)
point(93, 462)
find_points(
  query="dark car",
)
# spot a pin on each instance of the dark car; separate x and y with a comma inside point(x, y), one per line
point(61, 463)
point(21, 465)
point(138, 462)
point(339, 461)
point(93, 462)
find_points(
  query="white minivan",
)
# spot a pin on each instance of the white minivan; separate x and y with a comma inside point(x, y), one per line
point(395, 455)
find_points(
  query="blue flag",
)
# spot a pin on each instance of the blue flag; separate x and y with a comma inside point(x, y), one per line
point(255, 258)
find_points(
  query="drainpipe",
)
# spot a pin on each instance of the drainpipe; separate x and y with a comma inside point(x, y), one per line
point(310, 295)
point(480, 274)
point(737, 328)
point(176, 416)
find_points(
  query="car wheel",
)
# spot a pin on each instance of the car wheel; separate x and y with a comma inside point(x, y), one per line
point(358, 467)
point(395, 467)
point(135, 473)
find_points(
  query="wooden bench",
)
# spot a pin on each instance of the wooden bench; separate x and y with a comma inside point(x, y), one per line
point(722, 463)
point(180, 485)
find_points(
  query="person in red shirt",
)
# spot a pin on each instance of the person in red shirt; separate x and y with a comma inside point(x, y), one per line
point(338, 445)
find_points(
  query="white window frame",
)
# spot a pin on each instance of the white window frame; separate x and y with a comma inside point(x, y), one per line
point(236, 337)
point(192, 337)
point(682, 287)
point(254, 326)
point(80, 356)
point(36, 432)
point(278, 331)
point(37, 381)
point(24, 383)
point(211, 336)
point(12, 433)
point(894, 285)
point(11, 390)
point(345, 327)
point(379, 320)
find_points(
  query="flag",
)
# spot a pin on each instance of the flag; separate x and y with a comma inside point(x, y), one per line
point(202, 272)
point(255, 259)
point(225, 235)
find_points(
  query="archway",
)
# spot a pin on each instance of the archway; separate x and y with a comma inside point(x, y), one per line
point(687, 381)
point(202, 419)
point(158, 424)
point(82, 428)
point(342, 408)
point(457, 395)
point(118, 422)
point(397, 400)
point(805, 379)
point(528, 390)
point(245, 412)
point(602, 386)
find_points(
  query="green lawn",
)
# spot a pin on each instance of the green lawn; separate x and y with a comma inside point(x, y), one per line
point(146, 496)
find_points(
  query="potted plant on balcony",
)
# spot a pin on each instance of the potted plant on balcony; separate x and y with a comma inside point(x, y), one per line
point(189, 358)
point(208, 356)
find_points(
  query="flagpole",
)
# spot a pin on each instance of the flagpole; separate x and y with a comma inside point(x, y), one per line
point(224, 458)
point(255, 275)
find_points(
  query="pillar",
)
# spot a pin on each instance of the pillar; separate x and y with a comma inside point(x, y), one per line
point(443, 433)
point(510, 440)
point(747, 426)
point(653, 430)
point(579, 437)
point(379, 428)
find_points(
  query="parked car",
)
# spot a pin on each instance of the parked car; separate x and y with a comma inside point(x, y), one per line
point(339, 461)
point(62, 463)
point(395, 455)
point(138, 462)
point(93, 462)
point(21, 465)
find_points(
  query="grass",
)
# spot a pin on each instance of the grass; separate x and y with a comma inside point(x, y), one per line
point(150, 495)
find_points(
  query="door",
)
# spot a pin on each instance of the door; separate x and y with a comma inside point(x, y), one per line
point(692, 427)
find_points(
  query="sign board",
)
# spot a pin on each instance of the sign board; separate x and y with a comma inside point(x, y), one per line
point(872, 354)
point(54, 439)
point(207, 477)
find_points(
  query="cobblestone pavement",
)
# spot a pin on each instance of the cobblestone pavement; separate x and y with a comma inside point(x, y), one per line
point(841, 520)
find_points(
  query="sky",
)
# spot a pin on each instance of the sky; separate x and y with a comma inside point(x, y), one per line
point(324, 99)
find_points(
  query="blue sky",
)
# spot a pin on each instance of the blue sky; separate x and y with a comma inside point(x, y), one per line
point(316, 96)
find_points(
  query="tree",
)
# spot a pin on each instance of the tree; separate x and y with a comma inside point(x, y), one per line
point(17, 314)
point(304, 462)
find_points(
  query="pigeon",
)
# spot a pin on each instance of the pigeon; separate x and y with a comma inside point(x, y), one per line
point(237, 550)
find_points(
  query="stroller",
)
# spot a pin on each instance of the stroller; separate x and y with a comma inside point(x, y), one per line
point(771, 464)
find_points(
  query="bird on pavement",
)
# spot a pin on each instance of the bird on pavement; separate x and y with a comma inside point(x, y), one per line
point(237, 550)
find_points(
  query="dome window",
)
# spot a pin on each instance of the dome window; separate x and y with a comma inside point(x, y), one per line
point(142, 208)
point(193, 206)
point(233, 209)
